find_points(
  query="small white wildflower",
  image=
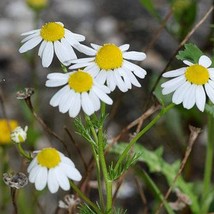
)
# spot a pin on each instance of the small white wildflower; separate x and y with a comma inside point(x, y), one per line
point(19, 135)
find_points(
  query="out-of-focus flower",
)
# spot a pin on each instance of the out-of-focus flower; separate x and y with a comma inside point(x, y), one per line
point(6, 127)
point(80, 91)
point(109, 63)
point(50, 167)
point(54, 38)
point(69, 203)
point(37, 5)
point(19, 135)
point(189, 84)
point(18, 180)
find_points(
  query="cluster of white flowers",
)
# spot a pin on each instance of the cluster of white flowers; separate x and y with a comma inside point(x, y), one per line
point(90, 81)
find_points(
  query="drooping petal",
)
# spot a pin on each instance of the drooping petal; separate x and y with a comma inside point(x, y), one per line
point(210, 92)
point(200, 97)
point(41, 179)
point(190, 97)
point(62, 178)
point(76, 106)
point(120, 83)
point(48, 54)
point(30, 44)
point(95, 100)
point(104, 97)
point(71, 172)
point(53, 184)
point(87, 104)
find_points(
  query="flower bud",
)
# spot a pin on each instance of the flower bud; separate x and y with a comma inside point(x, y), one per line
point(19, 135)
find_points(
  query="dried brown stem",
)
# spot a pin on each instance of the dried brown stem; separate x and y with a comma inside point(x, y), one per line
point(13, 196)
point(194, 132)
point(77, 147)
point(44, 125)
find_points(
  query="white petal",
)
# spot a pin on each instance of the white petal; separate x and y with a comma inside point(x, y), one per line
point(200, 98)
point(66, 101)
point(30, 37)
point(204, 61)
point(69, 50)
point(55, 83)
point(55, 100)
point(101, 77)
point(61, 52)
point(66, 160)
point(41, 179)
point(125, 77)
point(53, 184)
point(41, 48)
point(186, 62)
point(210, 92)
point(180, 93)
point(33, 173)
point(175, 73)
point(62, 178)
point(87, 104)
point(83, 60)
point(175, 81)
point(48, 54)
point(138, 71)
point(96, 47)
point(104, 97)
point(31, 32)
point(93, 70)
point(190, 97)
point(134, 55)
point(133, 79)
point(30, 44)
point(77, 36)
point(85, 49)
point(95, 100)
point(120, 83)
point(58, 76)
point(76, 106)
point(80, 65)
point(124, 47)
point(71, 172)
point(110, 81)
point(102, 87)
point(32, 164)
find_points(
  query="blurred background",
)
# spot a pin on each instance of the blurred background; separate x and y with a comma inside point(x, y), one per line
point(135, 22)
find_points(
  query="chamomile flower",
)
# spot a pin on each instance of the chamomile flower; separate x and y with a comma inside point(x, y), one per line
point(50, 167)
point(109, 63)
point(191, 84)
point(19, 135)
point(80, 90)
point(54, 38)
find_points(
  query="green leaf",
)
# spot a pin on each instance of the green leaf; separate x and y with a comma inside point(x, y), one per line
point(156, 163)
point(149, 7)
point(191, 52)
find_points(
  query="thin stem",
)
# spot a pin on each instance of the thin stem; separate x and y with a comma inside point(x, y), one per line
point(142, 132)
point(108, 182)
point(22, 152)
point(84, 197)
point(208, 165)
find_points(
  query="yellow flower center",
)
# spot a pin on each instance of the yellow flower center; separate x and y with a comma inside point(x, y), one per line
point(52, 31)
point(80, 81)
point(197, 74)
point(109, 57)
point(6, 127)
point(48, 157)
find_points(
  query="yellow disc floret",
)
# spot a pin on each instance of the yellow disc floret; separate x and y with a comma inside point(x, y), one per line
point(48, 157)
point(52, 32)
point(6, 127)
point(197, 74)
point(109, 57)
point(80, 81)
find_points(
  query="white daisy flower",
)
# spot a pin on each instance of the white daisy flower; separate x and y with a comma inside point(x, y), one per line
point(109, 63)
point(50, 167)
point(19, 135)
point(54, 38)
point(80, 91)
point(191, 84)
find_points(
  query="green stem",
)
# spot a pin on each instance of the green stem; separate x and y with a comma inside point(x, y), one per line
point(85, 198)
point(208, 166)
point(142, 132)
point(108, 182)
point(22, 152)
